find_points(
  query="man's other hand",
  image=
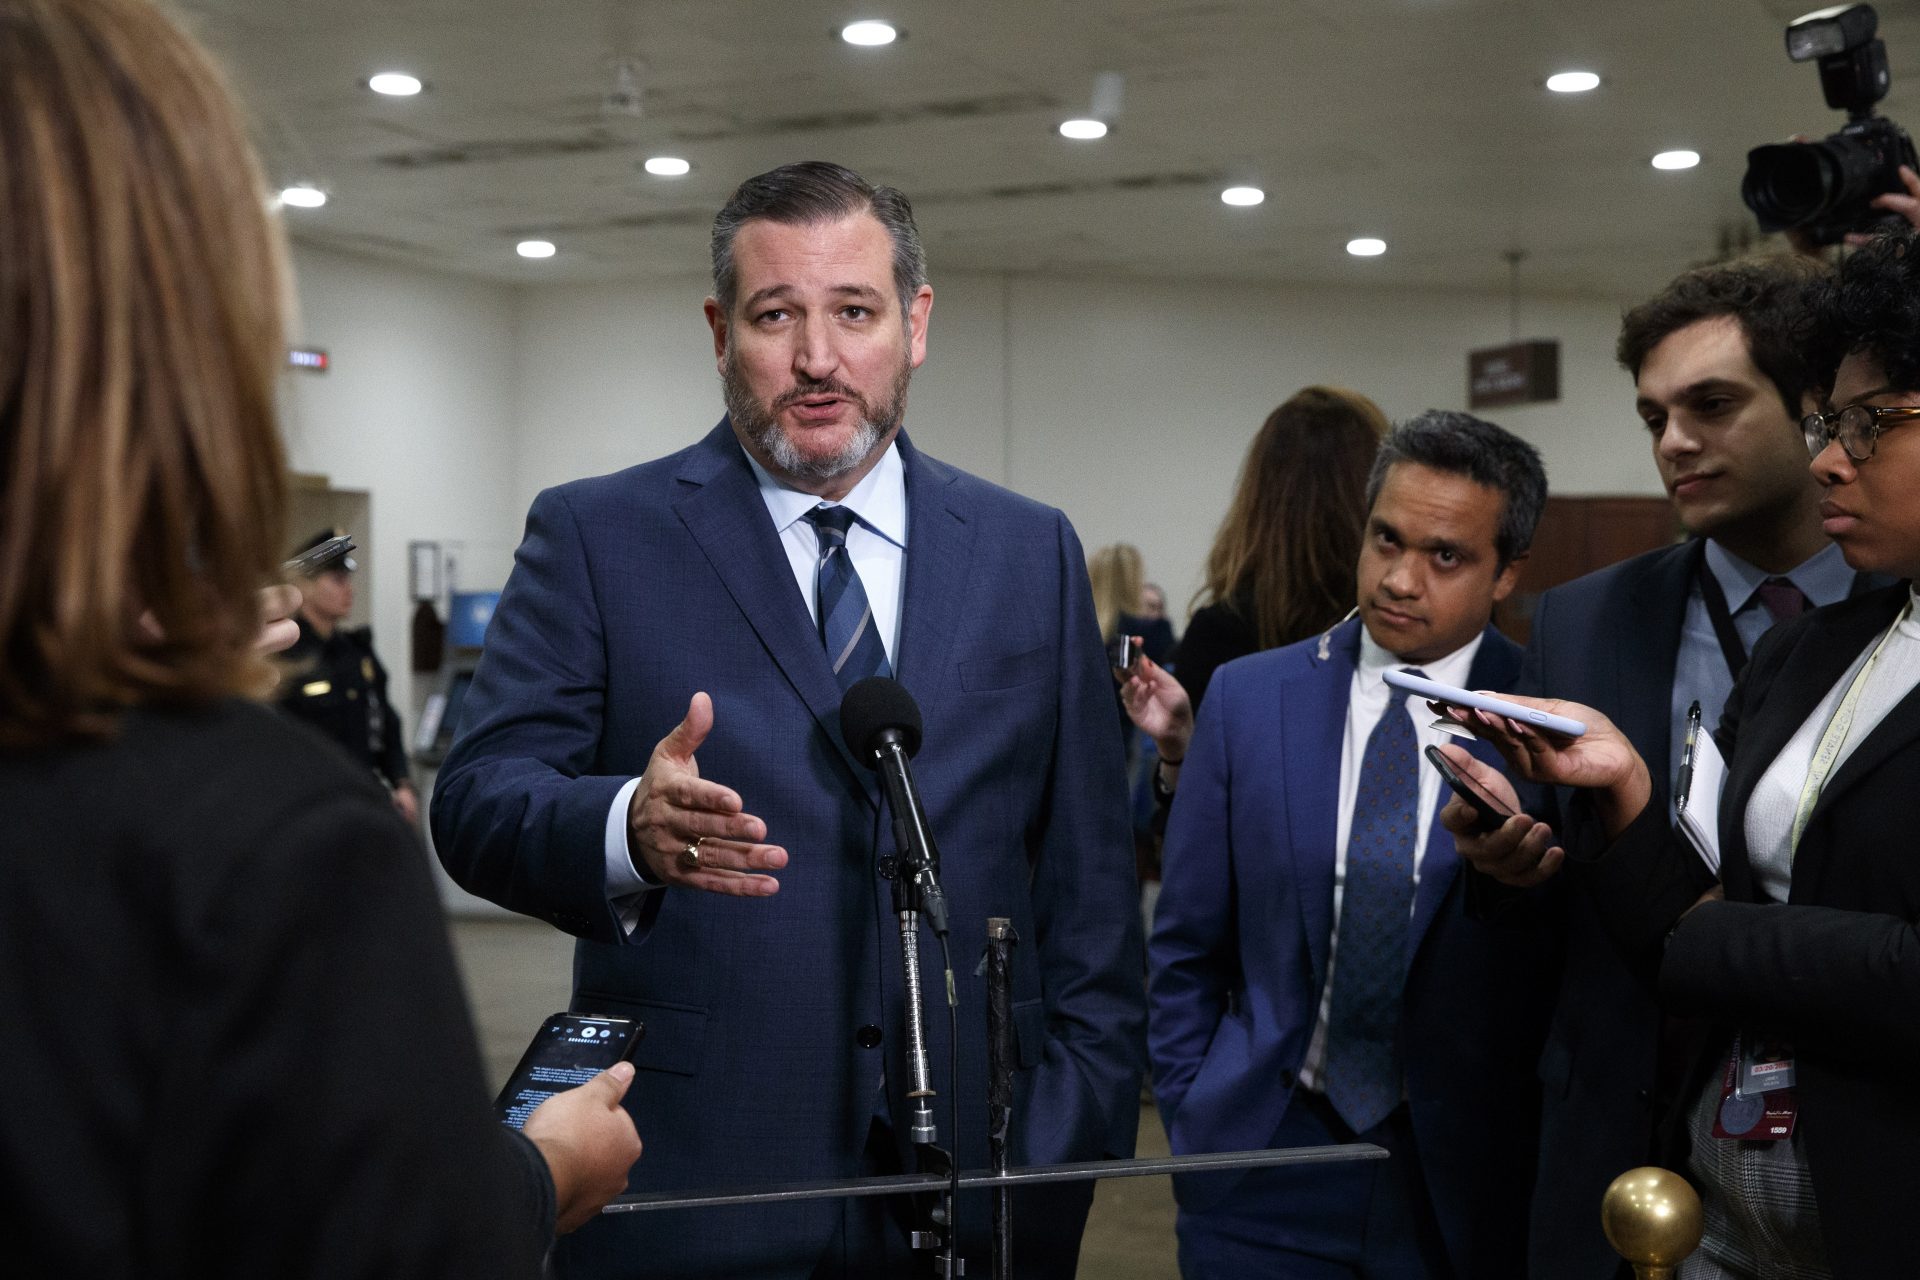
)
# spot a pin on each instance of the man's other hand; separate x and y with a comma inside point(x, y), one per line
point(589, 1143)
point(675, 809)
point(1519, 852)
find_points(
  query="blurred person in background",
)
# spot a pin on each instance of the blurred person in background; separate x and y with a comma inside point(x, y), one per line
point(1282, 564)
point(335, 682)
point(233, 1022)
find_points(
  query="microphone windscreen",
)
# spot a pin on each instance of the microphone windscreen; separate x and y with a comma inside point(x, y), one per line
point(870, 708)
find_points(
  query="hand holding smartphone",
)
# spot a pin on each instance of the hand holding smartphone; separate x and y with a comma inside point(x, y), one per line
point(570, 1049)
point(1489, 814)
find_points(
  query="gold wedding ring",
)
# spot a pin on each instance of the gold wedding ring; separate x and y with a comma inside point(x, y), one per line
point(690, 856)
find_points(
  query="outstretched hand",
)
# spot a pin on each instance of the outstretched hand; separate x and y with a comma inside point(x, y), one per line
point(1600, 760)
point(696, 834)
point(1158, 707)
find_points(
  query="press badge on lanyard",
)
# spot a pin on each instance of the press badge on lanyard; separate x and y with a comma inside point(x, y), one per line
point(1756, 1093)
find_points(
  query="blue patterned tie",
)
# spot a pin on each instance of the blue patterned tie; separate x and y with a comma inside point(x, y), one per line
point(846, 619)
point(1376, 904)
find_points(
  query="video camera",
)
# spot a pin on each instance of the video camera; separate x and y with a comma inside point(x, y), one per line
point(1824, 188)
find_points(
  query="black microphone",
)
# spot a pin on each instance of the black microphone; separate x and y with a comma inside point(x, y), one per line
point(880, 723)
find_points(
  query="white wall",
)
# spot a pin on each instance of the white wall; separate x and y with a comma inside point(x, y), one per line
point(418, 410)
point(1126, 403)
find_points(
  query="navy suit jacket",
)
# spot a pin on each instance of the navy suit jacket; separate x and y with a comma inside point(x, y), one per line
point(1611, 641)
point(1240, 941)
point(634, 590)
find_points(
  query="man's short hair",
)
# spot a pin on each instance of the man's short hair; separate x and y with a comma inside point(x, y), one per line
point(817, 191)
point(1767, 297)
point(1872, 308)
point(1488, 455)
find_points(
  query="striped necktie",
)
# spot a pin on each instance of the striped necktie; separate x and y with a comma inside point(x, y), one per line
point(846, 618)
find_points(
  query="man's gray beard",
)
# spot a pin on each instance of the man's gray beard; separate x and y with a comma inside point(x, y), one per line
point(759, 424)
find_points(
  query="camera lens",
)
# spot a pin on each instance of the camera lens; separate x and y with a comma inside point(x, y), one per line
point(1788, 184)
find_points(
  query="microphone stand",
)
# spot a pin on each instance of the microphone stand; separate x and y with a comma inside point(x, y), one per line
point(1001, 1052)
point(917, 892)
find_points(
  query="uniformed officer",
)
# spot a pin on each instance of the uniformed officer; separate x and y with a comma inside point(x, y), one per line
point(335, 683)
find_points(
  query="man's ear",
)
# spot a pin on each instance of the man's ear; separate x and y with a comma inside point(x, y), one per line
point(1509, 578)
point(717, 321)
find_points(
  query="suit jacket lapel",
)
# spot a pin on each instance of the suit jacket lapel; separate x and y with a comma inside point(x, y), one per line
point(1650, 641)
point(1818, 660)
point(938, 563)
point(725, 515)
point(1313, 807)
point(1900, 727)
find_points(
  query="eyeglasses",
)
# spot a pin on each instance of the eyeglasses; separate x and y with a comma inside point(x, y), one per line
point(1857, 427)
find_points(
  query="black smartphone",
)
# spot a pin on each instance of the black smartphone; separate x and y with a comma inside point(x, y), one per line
point(316, 560)
point(1488, 812)
point(570, 1049)
point(1120, 655)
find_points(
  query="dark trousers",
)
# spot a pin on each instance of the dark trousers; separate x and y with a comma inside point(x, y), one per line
point(1367, 1218)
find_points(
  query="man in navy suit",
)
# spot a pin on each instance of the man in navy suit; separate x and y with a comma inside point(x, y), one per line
point(1721, 381)
point(1315, 975)
point(651, 759)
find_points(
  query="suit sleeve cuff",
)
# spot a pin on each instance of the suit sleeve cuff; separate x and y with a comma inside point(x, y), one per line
point(624, 877)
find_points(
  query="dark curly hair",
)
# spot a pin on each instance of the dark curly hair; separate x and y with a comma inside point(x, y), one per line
point(1769, 299)
point(1872, 308)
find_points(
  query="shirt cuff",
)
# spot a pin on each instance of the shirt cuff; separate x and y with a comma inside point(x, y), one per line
point(624, 877)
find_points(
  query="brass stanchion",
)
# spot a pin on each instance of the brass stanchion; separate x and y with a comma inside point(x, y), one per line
point(1652, 1219)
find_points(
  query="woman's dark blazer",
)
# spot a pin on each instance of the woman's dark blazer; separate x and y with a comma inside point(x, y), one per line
point(1836, 969)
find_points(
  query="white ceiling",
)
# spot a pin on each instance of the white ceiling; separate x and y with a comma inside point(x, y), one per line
point(1420, 121)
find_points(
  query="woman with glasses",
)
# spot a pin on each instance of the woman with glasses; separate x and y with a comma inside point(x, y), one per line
point(1800, 958)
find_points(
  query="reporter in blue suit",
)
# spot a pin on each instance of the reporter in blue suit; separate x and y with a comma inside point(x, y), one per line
point(1315, 975)
point(651, 760)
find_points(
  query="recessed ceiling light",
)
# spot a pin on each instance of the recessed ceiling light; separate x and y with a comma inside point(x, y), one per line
point(869, 34)
point(1676, 160)
point(303, 196)
point(667, 166)
point(1366, 247)
point(535, 249)
point(395, 84)
point(1573, 82)
point(1083, 130)
point(1245, 197)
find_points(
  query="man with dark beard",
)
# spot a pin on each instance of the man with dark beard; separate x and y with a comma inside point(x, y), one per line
point(651, 760)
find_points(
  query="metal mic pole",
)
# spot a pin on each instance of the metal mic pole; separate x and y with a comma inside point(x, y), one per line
point(1001, 1051)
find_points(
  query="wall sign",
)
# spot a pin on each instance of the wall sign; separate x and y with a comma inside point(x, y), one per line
point(1518, 373)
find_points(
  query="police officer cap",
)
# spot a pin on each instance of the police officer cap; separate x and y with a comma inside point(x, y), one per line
point(345, 562)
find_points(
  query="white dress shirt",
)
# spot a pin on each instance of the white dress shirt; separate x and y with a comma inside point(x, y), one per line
point(1776, 797)
point(877, 545)
point(1367, 701)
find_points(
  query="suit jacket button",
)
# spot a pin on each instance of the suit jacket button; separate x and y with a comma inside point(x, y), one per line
point(867, 1037)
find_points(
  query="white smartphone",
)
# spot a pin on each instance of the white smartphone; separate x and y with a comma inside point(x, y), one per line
point(1434, 691)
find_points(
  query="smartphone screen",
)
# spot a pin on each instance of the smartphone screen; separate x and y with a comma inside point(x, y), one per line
point(1489, 811)
point(570, 1049)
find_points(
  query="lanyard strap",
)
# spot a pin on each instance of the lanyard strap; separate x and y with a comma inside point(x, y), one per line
point(1732, 647)
point(1827, 754)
